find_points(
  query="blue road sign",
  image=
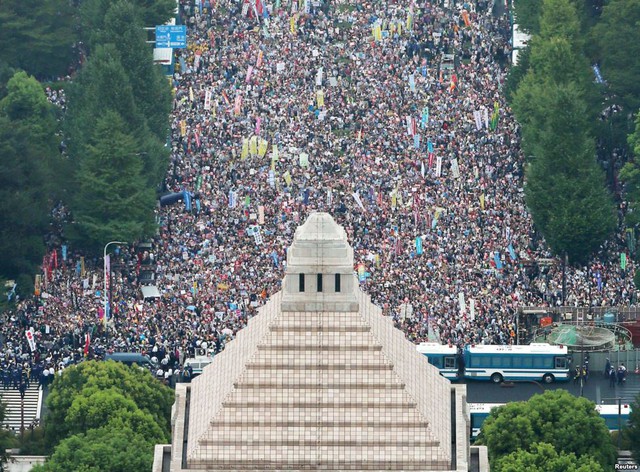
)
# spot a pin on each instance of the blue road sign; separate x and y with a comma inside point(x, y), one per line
point(171, 36)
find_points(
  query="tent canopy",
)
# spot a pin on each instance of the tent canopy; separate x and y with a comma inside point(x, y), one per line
point(150, 291)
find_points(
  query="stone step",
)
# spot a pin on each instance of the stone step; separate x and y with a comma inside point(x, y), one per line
point(313, 356)
point(319, 442)
point(319, 328)
point(322, 395)
point(337, 404)
point(324, 415)
point(316, 376)
point(304, 346)
point(253, 384)
point(317, 366)
point(387, 434)
point(321, 458)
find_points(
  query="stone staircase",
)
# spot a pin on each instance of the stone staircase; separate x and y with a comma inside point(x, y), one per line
point(32, 406)
point(319, 393)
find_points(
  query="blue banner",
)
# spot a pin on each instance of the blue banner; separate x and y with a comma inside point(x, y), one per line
point(512, 253)
point(419, 245)
point(496, 258)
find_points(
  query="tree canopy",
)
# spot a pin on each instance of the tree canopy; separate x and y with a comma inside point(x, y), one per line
point(113, 200)
point(570, 424)
point(543, 458)
point(617, 38)
point(38, 36)
point(632, 434)
point(111, 448)
point(29, 154)
point(81, 397)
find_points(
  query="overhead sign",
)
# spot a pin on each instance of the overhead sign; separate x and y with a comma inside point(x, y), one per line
point(171, 36)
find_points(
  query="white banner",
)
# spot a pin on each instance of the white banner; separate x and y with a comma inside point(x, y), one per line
point(356, 197)
point(463, 305)
point(32, 342)
point(438, 166)
point(455, 169)
point(472, 309)
point(319, 77)
point(207, 100)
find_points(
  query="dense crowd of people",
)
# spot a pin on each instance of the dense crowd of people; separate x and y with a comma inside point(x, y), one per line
point(389, 116)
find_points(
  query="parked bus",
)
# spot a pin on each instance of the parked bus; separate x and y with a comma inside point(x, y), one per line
point(441, 356)
point(537, 361)
point(478, 412)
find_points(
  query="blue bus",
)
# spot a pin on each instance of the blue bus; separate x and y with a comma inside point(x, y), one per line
point(441, 356)
point(478, 412)
point(538, 361)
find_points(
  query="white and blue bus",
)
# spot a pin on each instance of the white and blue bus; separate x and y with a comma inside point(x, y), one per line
point(478, 412)
point(537, 361)
point(441, 356)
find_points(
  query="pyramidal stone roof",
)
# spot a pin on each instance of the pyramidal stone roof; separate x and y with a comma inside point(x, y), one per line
point(313, 388)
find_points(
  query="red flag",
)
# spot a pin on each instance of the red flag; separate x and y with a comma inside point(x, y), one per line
point(55, 259)
point(87, 342)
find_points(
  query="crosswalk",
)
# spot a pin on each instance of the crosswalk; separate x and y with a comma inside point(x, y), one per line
point(32, 407)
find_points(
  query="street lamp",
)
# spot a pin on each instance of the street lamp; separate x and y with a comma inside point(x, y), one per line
point(107, 271)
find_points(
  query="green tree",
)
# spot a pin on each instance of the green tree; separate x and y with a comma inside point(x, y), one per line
point(570, 424)
point(73, 401)
point(105, 84)
point(564, 186)
point(29, 154)
point(112, 449)
point(630, 175)
point(95, 408)
point(93, 12)
point(112, 201)
point(527, 15)
point(632, 433)
point(7, 439)
point(543, 458)
point(38, 36)
point(617, 37)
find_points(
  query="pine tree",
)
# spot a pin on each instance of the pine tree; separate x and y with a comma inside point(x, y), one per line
point(112, 201)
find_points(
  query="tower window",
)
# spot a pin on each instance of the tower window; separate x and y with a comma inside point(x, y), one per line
point(337, 282)
point(319, 282)
point(301, 282)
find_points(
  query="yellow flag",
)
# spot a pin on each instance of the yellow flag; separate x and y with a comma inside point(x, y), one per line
point(190, 93)
point(320, 98)
point(482, 201)
point(262, 147)
point(245, 148)
point(287, 177)
point(253, 146)
point(183, 128)
point(292, 24)
point(394, 199)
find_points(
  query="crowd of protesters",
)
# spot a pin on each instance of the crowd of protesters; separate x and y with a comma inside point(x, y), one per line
point(389, 116)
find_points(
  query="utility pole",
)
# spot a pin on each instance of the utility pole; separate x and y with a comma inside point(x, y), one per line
point(619, 400)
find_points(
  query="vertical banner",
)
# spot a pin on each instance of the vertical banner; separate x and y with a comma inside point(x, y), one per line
point(237, 106)
point(107, 284)
point(419, 246)
point(623, 260)
point(320, 98)
point(482, 202)
point(455, 169)
point(207, 100)
point(37, 286)
point(461, 302)
point(31, 340)
point(472, 309)
point(438, 166)
point(261, 214)
point(356, 197)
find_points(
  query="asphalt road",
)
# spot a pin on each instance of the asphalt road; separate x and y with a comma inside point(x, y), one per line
point(596, 389)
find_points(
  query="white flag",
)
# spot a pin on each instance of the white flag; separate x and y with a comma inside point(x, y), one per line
point(455, 169)
point(472, 309)
point(32, 342)
point(207, 100)
point(356, 197)
point(438, 166)
point(463, 305)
